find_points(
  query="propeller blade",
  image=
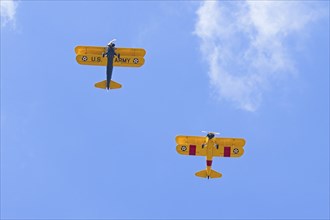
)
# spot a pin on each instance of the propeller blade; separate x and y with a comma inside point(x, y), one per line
point(208, 132)
point(112, 41)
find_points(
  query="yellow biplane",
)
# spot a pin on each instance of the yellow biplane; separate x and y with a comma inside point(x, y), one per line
point(109, 56)
point(209, 146)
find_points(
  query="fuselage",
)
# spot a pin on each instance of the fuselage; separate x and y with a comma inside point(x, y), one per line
point(209, 144)
point(110, 54)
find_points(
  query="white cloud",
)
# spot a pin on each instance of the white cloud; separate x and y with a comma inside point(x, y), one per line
point(245, 46)
point(8, 12)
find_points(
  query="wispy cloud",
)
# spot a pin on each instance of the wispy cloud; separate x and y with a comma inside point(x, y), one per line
point(8, 12)
point(245, 45)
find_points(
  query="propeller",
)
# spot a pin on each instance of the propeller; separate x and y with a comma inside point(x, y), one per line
point(210, 132)
point(112, 41)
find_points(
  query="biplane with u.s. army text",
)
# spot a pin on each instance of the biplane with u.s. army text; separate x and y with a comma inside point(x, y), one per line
point(210, 147)
point(109, 56)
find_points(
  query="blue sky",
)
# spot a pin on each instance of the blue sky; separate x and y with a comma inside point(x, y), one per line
point(257, 70)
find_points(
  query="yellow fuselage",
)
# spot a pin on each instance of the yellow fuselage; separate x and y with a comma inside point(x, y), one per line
point(209, 154)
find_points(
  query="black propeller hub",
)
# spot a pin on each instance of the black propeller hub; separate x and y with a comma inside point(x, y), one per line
point(210, 135)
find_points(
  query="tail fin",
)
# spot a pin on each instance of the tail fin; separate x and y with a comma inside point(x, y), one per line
point(213, 174)
point(103, 85)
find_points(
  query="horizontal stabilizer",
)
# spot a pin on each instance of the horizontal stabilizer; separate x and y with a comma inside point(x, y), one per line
point(201, 173)
point(213, 174)
point(103, 85)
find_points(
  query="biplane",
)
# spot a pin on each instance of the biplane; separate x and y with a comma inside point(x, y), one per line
point(210, 147)
point(109, 56)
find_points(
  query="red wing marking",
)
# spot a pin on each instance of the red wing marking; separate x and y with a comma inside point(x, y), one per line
point(226, 152)
point(192, 150)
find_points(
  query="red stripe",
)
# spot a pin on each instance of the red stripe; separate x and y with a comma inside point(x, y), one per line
point(226, 152)
point(192, 150)
point(209, 163)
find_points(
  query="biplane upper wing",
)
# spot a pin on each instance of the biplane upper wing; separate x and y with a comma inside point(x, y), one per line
point(99, 60)
point(140, 52)
point(190, 145)
point(90, 50)
point(95, 50)
point(229, 147)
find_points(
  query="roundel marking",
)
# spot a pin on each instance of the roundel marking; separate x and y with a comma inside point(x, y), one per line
point(135, 60)
point(235, 150)
point(84, 58)
point(183, 148)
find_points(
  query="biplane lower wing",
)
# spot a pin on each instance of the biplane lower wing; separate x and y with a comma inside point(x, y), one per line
point(81, 50)
point(228, 151)
point(99, 60)
point(103, 85)
point(191, 149)
point(190, 145)
point(229, 147)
